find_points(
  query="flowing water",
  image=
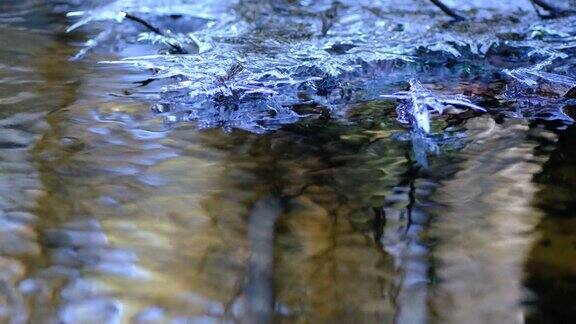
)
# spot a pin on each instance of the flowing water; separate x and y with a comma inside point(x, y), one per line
point(108, 214)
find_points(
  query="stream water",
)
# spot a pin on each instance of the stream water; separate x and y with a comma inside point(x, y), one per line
point(109, 214)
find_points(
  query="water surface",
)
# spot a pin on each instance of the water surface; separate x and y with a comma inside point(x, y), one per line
point(110, 215)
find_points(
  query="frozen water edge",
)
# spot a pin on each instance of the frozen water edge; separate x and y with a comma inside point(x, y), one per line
point(252, 61)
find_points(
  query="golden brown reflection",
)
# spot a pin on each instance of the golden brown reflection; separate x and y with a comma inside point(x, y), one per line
point(485, 227)
point(36, 78)
point(140, 221)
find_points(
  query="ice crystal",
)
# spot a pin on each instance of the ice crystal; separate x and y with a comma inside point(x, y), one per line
point(419, 102)
point(328, 53)
point(532, 76)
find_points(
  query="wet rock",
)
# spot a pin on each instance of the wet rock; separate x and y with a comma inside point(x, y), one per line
point(13, 244)
point(153, 179)
point(107, 311)
point(93, 255)
point(11, 269)
point(58, 272)
point(121, 169)
point(75, 238)
point(22, 217)
point(196, 319)
point(81, 289)
point(152, 315)
point(68, 257)
point(14, 227)
point(71, 144)
point(107, 200)
point(83, 225)
point(12, 306)
point(122, 269)
point(31, 286)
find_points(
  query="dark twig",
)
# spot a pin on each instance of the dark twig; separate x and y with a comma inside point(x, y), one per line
point(177, 48)
point(447, 10)
point(546, 6)
point(413, 175)
point(552, 9)
point(329, 16)
point(378, 224)
point(145, 23)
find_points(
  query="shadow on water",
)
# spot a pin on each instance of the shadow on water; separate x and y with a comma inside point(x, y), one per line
point(551, 268)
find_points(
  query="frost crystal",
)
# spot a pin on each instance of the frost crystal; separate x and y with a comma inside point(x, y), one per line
point(419, 102)
point(325, 53)
point(531, 76)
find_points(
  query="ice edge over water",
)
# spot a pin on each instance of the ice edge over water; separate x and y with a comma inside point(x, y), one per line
point(255, 60)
